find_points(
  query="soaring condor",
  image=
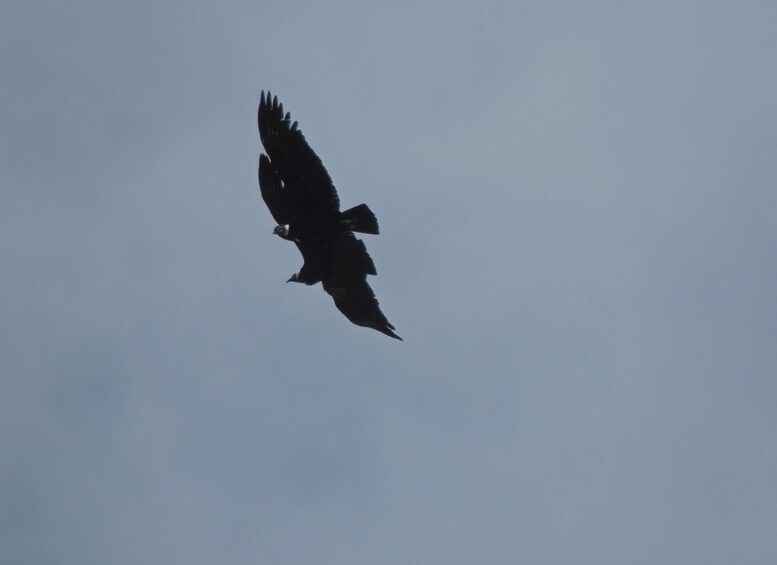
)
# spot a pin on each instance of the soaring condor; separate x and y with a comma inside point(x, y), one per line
point(302, 199)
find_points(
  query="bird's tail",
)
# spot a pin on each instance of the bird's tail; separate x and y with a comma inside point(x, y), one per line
point(360, 218)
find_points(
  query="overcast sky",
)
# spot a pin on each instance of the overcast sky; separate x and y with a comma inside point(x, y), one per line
point(578, 211)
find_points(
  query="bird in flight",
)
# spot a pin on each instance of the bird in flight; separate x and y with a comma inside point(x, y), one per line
point(303, 201)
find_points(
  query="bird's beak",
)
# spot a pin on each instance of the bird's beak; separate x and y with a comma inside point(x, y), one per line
point(291, 278)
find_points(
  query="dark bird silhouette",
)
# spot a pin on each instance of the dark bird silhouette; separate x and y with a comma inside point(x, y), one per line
point(302, 198)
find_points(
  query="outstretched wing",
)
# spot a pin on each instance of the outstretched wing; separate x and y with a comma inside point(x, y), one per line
point(272, 190)
point(303, 174)
point(344, 272)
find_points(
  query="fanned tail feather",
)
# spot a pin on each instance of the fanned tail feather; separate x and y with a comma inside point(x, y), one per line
point(361, 219)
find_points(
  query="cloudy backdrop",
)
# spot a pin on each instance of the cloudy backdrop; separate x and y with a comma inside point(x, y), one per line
point(578, 209)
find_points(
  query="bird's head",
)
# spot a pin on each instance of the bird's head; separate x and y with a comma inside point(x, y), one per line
point(282, 230)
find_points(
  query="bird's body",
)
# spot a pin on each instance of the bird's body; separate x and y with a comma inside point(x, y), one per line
point(302, 198)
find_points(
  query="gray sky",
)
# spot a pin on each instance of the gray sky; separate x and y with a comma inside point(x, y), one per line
point(578, 209)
